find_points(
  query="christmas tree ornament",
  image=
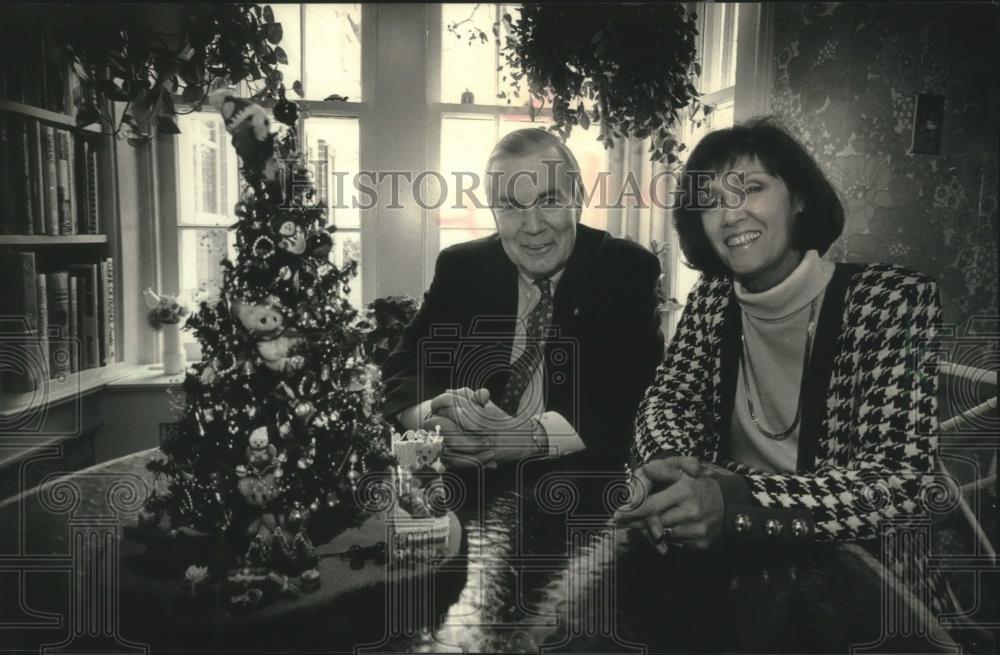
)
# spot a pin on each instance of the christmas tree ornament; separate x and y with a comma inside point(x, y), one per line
point(295, 518)
point(263, 246)
point(208, 376)
point(260, 452)
point(305, 410)
point(286, 112)
point(275, 352)
point(263, 320)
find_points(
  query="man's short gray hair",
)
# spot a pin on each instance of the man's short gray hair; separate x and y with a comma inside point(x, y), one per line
point(533, 141)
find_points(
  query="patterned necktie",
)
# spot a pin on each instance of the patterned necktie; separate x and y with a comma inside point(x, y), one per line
point(523, 368)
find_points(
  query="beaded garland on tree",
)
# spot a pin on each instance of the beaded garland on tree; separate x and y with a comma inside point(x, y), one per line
point(281, 415)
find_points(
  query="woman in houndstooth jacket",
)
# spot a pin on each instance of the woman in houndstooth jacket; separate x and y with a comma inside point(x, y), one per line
point(797, 399)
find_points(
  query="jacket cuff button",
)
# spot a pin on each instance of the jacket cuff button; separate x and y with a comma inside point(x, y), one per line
point(743, 523)
point(800, 528)
point(773, 527)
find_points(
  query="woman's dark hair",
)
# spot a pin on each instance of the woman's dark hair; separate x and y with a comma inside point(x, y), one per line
point(816, 227)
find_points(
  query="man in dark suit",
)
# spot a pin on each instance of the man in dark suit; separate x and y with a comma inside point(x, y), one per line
point(538, 340)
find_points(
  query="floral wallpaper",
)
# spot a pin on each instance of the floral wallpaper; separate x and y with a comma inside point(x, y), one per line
point(845, 83)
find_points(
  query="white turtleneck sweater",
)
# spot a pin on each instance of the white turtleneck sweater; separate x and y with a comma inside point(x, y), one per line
point(774, 327)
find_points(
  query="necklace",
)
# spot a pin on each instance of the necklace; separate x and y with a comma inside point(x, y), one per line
point(744, 364)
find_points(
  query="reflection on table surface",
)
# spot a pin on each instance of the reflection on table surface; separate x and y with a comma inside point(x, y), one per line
point(538, 567)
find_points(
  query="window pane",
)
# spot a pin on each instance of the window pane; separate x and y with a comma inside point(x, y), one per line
point(207, 170)
point(593, 160)
point(468, 65)
point(718, 56)
point(333, 145)
point(333, 51)
point(347, 246)
point(517, 96)
point(290, 17)
point(466, 142)
point(201, 250)
point(723, 115)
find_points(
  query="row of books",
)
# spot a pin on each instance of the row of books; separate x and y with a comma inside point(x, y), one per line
point(32, 71)
point(54, 323)
point(49, 179)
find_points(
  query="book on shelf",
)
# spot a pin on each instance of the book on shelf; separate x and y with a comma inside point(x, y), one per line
point(24, 210)
point(88, 329)
point(107, 307)
point(19, 206)
point(50, 181)
point(37, 175)
point(64, 182)
point(42, 300)
point(57, 323)
point(24, 367)
point(57, 291)
point(93, 191)
point(88, 221)
point(32, 73)
point(74, 324)
point(6, 188)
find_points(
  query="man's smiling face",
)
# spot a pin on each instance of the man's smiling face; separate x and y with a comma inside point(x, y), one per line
point(533, 206)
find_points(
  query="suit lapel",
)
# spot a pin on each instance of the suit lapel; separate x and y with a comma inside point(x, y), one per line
point(495, 319)
point(573, 284)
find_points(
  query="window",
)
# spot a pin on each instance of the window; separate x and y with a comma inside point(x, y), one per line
point(323, 45)
point(718, 27)
point(420, 99)
point(471, 125)
point(207, 177)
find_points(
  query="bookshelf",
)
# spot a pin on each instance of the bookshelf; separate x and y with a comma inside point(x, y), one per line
point(60, 307)
point(45, 115)
point(46, 240)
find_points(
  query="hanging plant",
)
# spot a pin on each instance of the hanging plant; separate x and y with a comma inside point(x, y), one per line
point(146, 55)
point(630, 69)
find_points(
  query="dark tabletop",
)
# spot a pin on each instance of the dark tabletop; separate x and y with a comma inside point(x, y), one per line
point(537, 566)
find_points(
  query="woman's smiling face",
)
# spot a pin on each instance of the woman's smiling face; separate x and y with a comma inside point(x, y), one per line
point(754, 238)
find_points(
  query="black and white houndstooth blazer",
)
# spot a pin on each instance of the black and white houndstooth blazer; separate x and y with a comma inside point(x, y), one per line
point(869, 426)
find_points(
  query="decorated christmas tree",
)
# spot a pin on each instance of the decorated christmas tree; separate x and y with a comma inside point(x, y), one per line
point(281, 415)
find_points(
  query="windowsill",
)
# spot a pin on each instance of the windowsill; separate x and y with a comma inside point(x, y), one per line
point(56, 391)
point(148, 376)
